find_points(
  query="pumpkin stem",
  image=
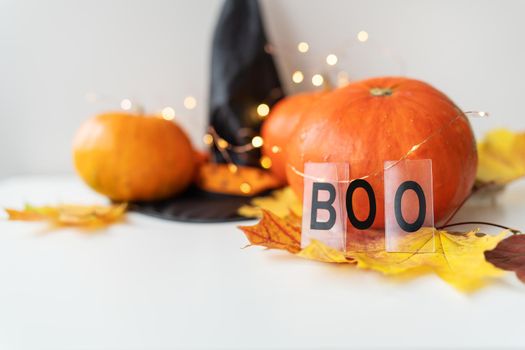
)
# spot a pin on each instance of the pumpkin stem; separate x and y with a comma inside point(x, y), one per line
point(381, 91)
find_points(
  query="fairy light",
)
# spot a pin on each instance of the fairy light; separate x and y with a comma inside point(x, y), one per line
point(207, 139)
point(317, 80)
point(245, 187)
point(190, 102)
point(263, 110)
point(303, 47)
point(233, 168)
point(222, 143)
point(168, 113)
point(414, 148)
point(266, 162)
point(362, 36)
point(474, 114)
point(331, 59)
point(276, 149)
point(126, 104)
point(257, 141)
point(297, 77)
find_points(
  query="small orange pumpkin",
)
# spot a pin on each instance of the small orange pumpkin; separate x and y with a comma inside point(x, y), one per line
point(371, 121)
point(133, 157)
point(277, 128)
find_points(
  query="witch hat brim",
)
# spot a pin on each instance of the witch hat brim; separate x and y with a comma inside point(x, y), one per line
point(196, 205)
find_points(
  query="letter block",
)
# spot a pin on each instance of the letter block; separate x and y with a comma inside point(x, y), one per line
point(324, 218)
point(409, 206)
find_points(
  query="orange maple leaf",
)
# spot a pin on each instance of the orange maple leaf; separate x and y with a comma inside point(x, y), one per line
point(82, 216)
point(274, 232)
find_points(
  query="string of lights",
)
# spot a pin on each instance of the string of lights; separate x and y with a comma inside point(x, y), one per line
point(316, 78)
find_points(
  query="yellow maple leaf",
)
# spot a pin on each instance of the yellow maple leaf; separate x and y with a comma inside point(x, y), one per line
point(501, 157)
point(321, 252)
point(458, 258)
point(279, 202)
point(85, 216)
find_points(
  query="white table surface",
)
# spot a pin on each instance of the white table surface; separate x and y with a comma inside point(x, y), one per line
point(153, 284)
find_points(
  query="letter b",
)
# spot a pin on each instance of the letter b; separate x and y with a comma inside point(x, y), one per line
point(326, 205)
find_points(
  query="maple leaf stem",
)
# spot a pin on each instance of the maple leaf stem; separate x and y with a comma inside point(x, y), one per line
point(513, 230)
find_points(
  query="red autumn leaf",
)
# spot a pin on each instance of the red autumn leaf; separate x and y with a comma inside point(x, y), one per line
point(509, 255)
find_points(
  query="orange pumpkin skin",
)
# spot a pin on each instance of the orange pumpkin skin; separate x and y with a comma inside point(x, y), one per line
point(371, 121)
point(132, 157)
point(278, 127)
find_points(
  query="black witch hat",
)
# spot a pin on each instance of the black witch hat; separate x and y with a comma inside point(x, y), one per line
point(243, 76)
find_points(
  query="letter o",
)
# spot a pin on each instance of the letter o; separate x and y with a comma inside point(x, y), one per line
point(361, 225)
point(416, 225)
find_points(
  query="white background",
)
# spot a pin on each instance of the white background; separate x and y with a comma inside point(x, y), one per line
point(157, 52)
point(148, 284)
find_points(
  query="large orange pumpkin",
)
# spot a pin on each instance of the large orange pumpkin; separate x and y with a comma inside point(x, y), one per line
point(133, 157)
point(371, 121)
point(280, 124)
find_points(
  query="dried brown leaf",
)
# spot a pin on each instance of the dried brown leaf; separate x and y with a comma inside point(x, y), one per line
point(509, 255)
